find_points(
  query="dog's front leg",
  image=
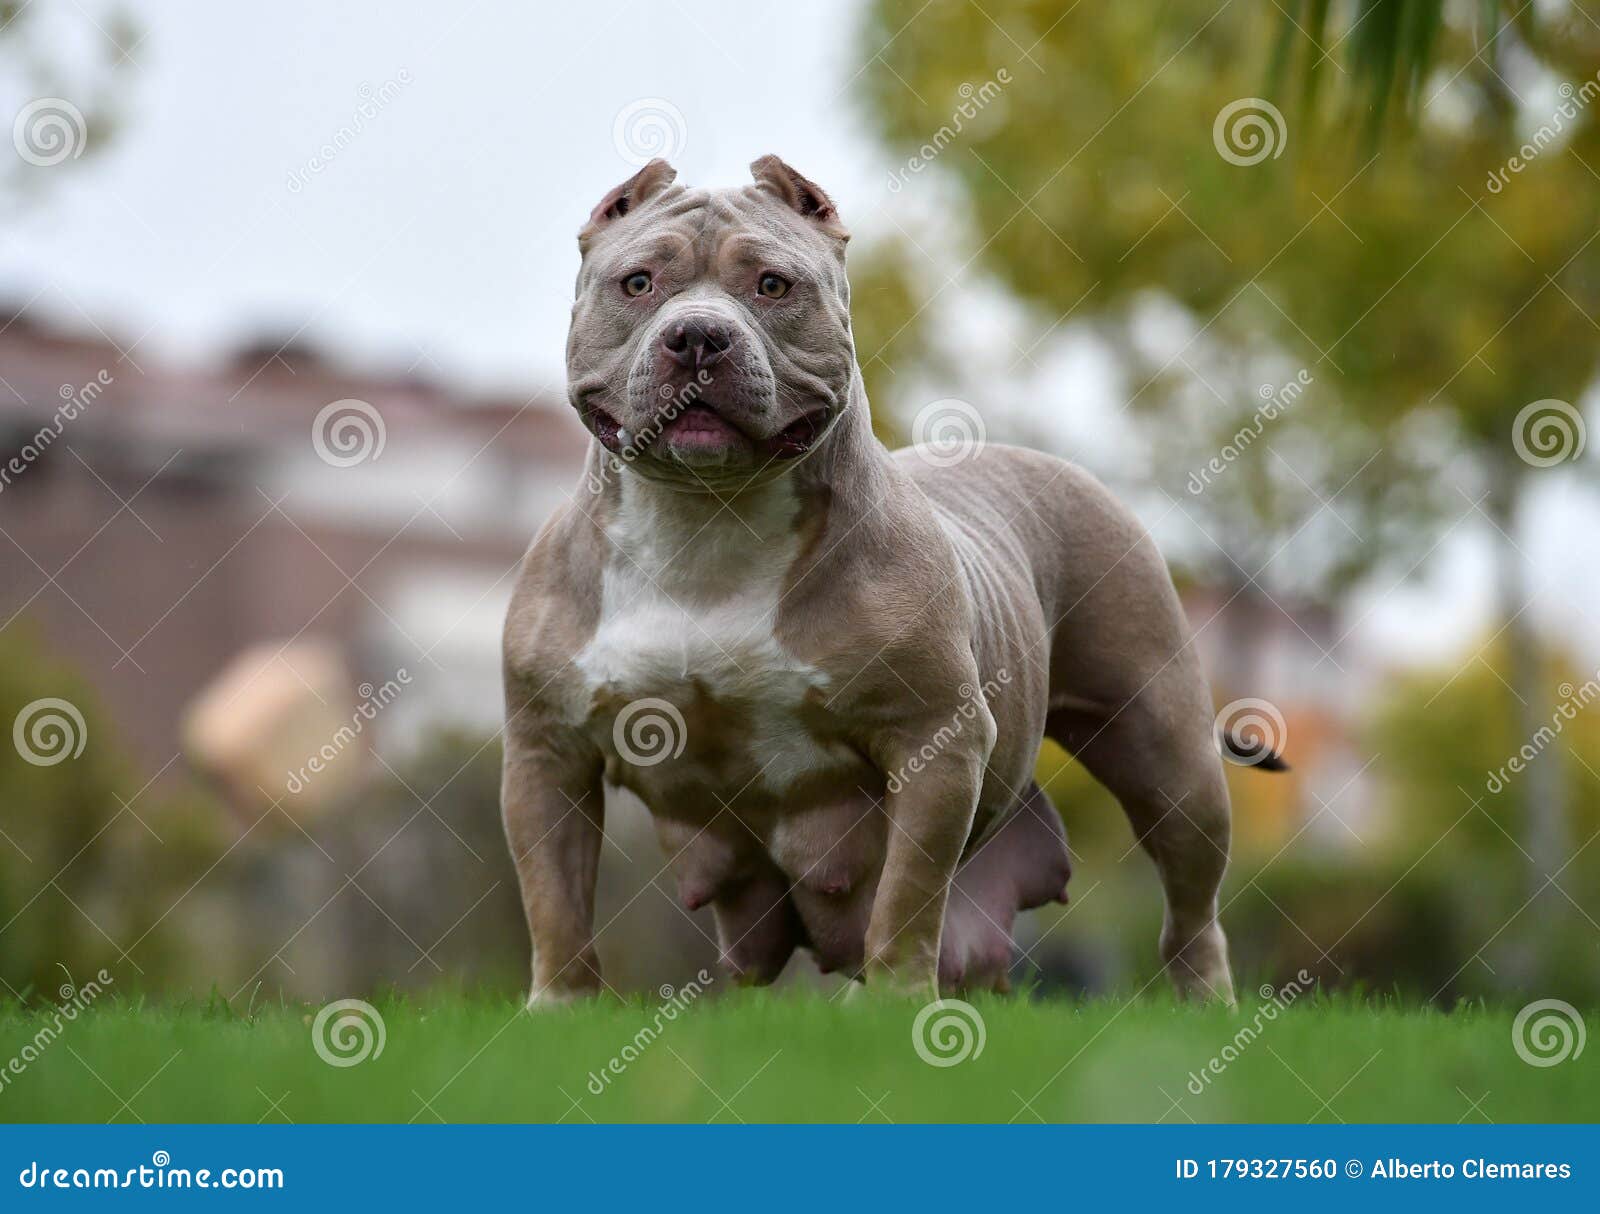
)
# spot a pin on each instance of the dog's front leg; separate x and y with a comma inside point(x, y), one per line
point(930, 805)
point(551, 799)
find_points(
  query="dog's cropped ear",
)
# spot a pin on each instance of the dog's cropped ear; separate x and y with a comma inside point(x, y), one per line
point(800, 193)
point(630, 195)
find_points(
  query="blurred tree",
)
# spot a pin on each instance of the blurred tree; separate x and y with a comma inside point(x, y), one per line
point(1433, 285)
point(1452, 747)
point(88, 866)
point(57, 107)
point(883, 312)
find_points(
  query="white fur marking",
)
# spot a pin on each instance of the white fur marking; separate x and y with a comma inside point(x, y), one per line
point(691, 595)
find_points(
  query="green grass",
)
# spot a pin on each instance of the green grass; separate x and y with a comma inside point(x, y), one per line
point(768, 1057)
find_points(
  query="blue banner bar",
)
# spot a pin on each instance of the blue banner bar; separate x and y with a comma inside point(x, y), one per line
point(802, 1168)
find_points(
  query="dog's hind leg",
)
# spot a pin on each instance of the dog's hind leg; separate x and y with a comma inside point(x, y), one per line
point(1156, 755)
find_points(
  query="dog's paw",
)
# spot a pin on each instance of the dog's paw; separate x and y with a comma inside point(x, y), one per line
point(547, 998)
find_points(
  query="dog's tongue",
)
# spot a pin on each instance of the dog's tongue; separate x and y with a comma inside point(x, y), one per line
point(702, 428)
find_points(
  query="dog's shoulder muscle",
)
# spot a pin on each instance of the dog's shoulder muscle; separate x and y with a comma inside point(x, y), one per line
point(555, 608)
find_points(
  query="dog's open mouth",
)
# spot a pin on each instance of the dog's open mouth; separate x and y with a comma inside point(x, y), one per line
point(702, 429)
point(798, 437)
point(607, 429)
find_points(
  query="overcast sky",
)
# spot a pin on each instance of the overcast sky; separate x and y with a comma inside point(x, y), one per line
point(446, 227)
point(442, 235)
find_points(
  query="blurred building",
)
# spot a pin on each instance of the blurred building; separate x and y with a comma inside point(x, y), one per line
point(160, 520)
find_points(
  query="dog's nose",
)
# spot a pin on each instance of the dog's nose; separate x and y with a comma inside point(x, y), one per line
point(697, 342)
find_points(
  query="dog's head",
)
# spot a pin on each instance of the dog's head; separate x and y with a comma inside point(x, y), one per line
point(711, 331)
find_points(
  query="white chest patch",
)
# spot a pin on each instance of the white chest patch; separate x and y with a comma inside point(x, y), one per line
point(689, 608)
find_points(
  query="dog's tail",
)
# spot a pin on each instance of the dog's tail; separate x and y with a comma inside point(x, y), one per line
point(1238, 746)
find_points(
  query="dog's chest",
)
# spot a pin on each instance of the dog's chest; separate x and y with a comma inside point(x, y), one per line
point(685, 678)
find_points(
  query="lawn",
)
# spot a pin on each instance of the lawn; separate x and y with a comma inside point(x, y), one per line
point(759, 1056)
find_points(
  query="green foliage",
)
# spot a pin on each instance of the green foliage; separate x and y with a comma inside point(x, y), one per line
point(76, 865)
point(1446, 738)
point(1448, 749)
point(1408, 286)
point(884, 318)
point(172, 893)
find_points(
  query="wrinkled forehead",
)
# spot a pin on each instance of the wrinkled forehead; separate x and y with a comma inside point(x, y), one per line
point(701, 230)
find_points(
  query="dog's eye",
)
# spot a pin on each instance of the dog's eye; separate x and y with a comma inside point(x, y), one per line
point(636, 283)
point(772, 286)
